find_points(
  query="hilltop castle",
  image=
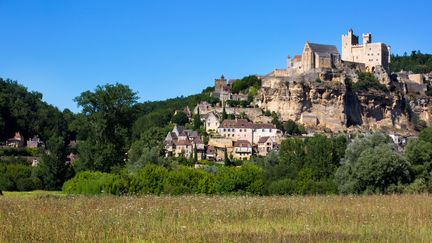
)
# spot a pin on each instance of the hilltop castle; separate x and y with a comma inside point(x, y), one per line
point(368, 53)
point(319, 56)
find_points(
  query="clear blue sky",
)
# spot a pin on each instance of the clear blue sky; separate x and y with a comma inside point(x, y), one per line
point(165, 49)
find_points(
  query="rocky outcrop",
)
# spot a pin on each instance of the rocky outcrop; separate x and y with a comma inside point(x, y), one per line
point(325, 98)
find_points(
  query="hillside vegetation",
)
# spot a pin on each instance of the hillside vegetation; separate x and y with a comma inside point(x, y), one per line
point(120, 149)
point(416, 62)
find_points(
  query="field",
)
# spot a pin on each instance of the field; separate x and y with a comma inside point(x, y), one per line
point(53, 217)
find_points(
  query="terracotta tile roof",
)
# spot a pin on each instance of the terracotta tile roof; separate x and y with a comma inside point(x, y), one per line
point(263, 139)
point(240, 123)
point(242, 143)
point(297, 58)
point(261, 126)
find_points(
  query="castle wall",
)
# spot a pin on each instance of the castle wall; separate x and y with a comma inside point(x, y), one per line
point(371, 54)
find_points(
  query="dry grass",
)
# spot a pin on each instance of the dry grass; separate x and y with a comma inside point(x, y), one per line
point(52, 218)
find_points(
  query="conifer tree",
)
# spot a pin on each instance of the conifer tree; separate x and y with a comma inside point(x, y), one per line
point(227, 161)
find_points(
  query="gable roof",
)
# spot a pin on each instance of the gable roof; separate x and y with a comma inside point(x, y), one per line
point(260, 126)
point(323, 50)
point(240, 123)
point(178, 129)
point(263, 139)
point(242, 144)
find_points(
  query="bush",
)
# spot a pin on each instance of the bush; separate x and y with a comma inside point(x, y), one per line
point(149, 180)
point(28, 184)
point(418, 186)
point(367, 81)
point(91, 183)
point(282, 187)
point(18, 177)
point(244, 179)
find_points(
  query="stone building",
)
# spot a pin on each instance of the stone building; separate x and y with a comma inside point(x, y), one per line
point(222, 90)
point(34, 142)
point(265, 145)
point(211, 122)
point(316, 56)
point(241, 129)
point(369, 53)
point(182, 142)
point(16, 142)
point(242, 150)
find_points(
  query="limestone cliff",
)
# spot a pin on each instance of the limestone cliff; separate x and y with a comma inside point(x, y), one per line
point(322, 101)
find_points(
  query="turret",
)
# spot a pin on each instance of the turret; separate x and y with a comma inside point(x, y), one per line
point(367, 38)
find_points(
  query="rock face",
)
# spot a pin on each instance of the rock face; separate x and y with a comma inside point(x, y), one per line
point(323, 102)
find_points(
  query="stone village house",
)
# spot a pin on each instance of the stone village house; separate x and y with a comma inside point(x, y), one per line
point(182, 142)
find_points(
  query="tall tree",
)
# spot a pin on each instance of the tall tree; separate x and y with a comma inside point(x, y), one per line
point(197, 120)
point(52, 169)
point(109, 112)
point(224, 114)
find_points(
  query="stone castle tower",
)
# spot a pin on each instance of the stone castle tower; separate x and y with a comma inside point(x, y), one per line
point(368, 53)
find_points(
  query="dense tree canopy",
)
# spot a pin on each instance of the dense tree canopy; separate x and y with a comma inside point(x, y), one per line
point(246, 83)
point(371, 164)
point(109, 111)
point(415, 62)
point(25, 112)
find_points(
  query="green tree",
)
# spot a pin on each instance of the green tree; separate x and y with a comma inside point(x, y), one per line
point(52, 169)
point(319, 156)
point(195, 156)
point(110, 112)
point(197, 123)
point(371, 165)
point(224, 114)
point(180, 118)
point(227, 161)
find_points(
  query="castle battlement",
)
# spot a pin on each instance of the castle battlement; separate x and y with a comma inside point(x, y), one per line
point(370, 53)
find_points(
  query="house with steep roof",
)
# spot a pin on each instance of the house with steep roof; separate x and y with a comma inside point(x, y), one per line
point(265, 145)
point(182, 142)
point(211, 122)
point(242, 150)
point(17, 141)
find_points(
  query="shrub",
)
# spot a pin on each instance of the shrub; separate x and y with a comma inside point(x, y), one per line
point(28, 184)
point(17, 177)
point(91, 183)
point(183, 181)
point(149, 180)
point(418, 186)
point(282, 187)
point(367, 81)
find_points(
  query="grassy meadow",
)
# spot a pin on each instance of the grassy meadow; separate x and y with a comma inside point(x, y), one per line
point(54, 217)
